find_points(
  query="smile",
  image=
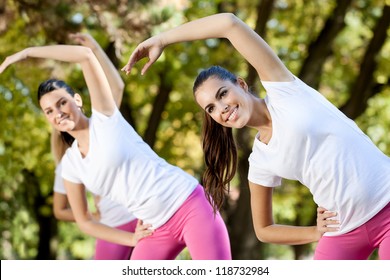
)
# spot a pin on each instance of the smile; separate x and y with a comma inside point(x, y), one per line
point(233, 114)
point(63, 119)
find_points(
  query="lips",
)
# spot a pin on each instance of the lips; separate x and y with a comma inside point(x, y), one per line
point(61, 120)
point(232, 114)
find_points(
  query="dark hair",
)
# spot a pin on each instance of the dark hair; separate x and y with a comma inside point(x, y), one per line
point(219, 147)
point(49, 86)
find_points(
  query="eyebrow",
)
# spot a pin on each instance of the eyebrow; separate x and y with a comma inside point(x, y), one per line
point(58, 101)
point(216, 96)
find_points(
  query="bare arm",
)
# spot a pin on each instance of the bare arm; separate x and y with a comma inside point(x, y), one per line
point(114, 79)
point(61, 208)
point(98, 86)
point(248, 43)
point(267, 231)
point(78, 203)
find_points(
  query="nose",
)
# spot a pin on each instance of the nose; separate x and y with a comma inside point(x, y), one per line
point(225, 108)
point(58, 114)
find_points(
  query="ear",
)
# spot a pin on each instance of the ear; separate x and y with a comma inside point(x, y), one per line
point(79, 101)
point(241, 82)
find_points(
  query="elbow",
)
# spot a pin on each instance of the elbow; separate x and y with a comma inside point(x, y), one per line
point(261, 235)
point(88, 54)
point(84, 227)
point(231, 20)
point(57, 214)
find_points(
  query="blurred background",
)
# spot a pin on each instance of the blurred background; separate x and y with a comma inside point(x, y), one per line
point(341, 48)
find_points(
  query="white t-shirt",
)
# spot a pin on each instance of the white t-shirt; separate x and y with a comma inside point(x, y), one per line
point(111, 214)
point(315, 143)
point(121, 166)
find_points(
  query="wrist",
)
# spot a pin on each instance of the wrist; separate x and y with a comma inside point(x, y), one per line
point(26, 52)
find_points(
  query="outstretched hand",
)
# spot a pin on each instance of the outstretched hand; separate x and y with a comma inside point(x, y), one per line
point(12, 59)
point(150, 48)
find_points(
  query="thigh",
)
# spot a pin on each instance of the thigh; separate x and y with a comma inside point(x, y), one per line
point(204, 231)
point(159, 246)
point(384, 249)
point(350, 246)
point(105, 250)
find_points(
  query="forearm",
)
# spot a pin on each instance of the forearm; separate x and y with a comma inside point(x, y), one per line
point(100, 231)
point(114, 79)
point(249, 44)
point(64, 215)
point(216, 26)
point(288, 235)
point(66, 53)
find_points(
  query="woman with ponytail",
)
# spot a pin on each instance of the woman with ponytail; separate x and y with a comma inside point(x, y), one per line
point(300, 136)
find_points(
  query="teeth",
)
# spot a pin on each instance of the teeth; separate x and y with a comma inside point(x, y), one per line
point(233, 115)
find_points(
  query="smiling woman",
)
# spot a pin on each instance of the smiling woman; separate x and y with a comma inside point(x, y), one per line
point(300, 136)
point(60, 104)
point(111, 160)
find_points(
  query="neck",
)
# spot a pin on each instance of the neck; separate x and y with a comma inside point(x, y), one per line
point(81, 134)
point(260, 117)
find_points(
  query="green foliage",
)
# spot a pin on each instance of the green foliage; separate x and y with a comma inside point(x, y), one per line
point(26, 165)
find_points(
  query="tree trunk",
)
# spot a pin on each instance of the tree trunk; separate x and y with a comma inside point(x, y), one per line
point(47, 226)
point(160, 101)
point(320, 49)
point(364, 87)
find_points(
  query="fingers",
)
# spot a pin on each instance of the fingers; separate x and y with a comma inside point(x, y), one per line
point(143, 230)
point(134, 58)
point(146, 67)
point(327, 221)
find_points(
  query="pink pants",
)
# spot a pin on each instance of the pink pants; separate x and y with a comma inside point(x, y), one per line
point(105, 250)
point(193, 225)
point(359, 243)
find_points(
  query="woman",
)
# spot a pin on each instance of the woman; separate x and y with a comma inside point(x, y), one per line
point(111, 160)
point(107, 212)
point(301, 136)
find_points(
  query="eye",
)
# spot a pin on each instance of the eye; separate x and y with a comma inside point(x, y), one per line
point(222, 93)
point(210, 109)
point(48, 112)
point(63, 102)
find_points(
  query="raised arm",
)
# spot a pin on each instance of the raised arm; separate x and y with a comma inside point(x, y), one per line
point(98, 86)
point(248, 43)
point(114, 79)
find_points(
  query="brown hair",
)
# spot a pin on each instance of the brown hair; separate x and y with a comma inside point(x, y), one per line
point(220, 151)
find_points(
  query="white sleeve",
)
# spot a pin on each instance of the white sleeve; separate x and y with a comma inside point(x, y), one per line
point(58, 181)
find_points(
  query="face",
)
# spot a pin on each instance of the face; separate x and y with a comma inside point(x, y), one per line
point(227, 103)
point(61, 109)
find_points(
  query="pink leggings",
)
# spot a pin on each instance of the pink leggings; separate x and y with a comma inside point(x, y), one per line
point(359, 243)
point(193, 225)
point(105, 250)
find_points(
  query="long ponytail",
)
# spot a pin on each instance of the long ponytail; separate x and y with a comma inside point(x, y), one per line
point(220, 155)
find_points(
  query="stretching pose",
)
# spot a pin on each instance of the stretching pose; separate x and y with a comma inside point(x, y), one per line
point(301, 136)
point(108, 212)
point(111, 160)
